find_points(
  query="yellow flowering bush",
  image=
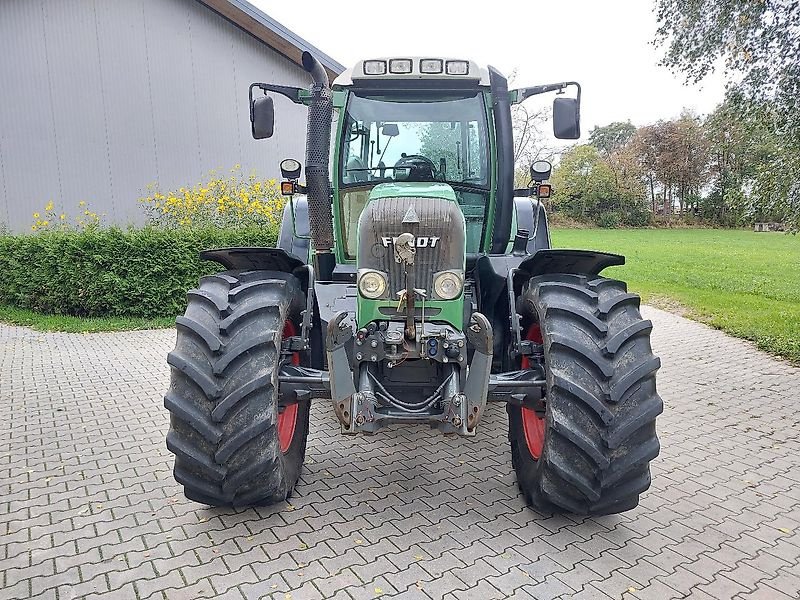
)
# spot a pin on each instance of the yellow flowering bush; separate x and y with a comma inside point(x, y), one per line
point(51, 219)
point(233, 201)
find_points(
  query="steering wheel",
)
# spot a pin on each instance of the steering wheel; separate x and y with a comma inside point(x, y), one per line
point(420, 168)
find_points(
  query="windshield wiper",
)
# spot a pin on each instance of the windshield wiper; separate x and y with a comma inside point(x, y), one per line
point(467, 184)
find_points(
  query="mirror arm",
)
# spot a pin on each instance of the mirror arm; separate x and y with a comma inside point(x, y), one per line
point(520, 95)
point(292, 93)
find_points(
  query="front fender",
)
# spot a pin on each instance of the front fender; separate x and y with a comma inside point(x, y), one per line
point(573, 262)
point(255, 259)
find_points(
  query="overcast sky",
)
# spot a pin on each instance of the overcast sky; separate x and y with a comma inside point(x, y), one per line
point(603, 45)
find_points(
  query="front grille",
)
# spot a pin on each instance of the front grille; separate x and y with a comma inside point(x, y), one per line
point(438, 218)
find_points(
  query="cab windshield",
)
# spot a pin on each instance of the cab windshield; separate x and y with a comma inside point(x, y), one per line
point(415, 138)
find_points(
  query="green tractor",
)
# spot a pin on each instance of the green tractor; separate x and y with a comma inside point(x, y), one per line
point(413, 285)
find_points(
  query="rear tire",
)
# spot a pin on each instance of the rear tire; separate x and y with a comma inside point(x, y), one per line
point(590, 453)
point(226, 428)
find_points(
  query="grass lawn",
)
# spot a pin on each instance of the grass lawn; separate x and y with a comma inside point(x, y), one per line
point(744, 283)
point(42, 322)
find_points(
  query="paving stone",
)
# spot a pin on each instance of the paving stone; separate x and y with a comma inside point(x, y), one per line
point(482, 590)
point(656, 590)
point(681, 580)
point(154, 586)
point(722, 587)
point(200, 589)
point(765, 592)
point(111, 522)
point(786, 583)
point(746, 575)
point(551, 587)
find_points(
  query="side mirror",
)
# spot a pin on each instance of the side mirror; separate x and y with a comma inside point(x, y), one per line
point(540, 171)
point(390, 130)
point(567, 118)
point(262, 117)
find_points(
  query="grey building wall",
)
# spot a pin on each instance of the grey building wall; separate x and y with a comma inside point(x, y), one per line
point(98, 98)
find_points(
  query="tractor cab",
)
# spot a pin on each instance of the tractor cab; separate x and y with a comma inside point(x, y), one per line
point(399, 124)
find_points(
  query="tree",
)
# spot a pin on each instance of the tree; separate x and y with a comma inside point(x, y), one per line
point(645, 146)
point(731, 163)
point(613, 141)
point(440, 140)
point(612, 137)
point(690, 160)
point(749, 163)
point(628, 171)
point(673, 156)
point(528, 124)
point(529, 140)
point(587, 188)
point(758, 41)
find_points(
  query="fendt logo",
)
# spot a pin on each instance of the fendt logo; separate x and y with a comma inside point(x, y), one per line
point(419, 242)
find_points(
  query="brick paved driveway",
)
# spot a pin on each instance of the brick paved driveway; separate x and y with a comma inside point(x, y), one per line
point(88, 504)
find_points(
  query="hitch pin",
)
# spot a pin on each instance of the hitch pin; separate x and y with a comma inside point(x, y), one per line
point(402, 294)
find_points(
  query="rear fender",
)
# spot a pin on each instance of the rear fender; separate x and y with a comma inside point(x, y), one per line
point(492, 271)
point(531, 215)
point(295, 232)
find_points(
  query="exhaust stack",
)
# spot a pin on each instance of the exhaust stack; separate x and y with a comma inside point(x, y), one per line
point(318, 142)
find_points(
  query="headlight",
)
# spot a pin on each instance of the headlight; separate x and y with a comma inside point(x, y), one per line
point(371, 284)
point(448, 284)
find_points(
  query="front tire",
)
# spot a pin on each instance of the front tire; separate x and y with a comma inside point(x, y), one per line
point(233, 444)
point(588, 449)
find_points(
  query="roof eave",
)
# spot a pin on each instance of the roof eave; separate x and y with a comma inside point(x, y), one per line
point(267, 30)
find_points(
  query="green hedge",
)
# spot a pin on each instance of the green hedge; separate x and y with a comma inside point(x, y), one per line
point(112, 272)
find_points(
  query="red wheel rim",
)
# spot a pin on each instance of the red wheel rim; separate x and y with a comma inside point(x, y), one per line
point(287, 419)
point(532, 423)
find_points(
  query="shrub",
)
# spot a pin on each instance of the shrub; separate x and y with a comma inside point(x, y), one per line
point(637, 215)
point(609, 220)
point(72, 265)
point(234, 201)
point(113, 272)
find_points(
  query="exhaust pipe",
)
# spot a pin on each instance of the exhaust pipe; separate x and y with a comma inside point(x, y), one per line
point(318, 142)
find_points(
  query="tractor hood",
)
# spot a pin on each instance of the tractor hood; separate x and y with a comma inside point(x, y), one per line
point(413, 190)
point(430, 213)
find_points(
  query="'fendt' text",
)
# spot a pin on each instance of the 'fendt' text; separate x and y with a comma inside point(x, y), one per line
point(419, 242)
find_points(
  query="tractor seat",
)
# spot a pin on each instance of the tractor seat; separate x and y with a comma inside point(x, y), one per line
point(355, 176)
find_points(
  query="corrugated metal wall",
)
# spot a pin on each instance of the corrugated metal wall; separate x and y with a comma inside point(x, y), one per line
point(99, 98)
